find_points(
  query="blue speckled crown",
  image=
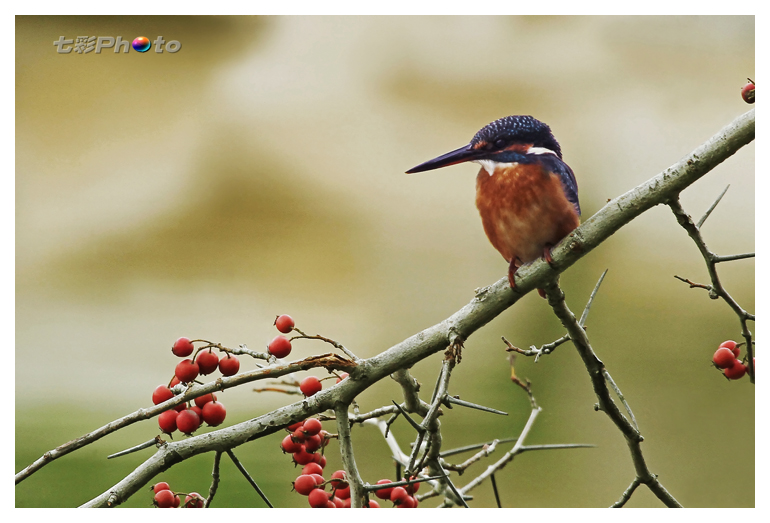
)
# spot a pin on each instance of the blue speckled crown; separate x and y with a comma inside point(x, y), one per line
point(521, 129)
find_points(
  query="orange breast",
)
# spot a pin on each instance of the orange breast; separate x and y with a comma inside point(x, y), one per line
point(523, 208)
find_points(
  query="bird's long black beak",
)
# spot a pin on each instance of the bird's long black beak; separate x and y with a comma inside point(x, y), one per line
point(463, 154)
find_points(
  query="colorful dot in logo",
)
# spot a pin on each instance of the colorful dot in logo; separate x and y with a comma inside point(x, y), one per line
point(141, 44)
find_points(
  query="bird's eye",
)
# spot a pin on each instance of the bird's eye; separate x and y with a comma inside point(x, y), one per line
point(500, 143)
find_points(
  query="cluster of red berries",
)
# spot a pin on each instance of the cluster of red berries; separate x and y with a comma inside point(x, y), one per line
point(188, 418)
point(280, 347)
point(726, 357)
point(206, 362)
point(402, 497)
point(747, 92)
point(165, 498)
point(305, 438)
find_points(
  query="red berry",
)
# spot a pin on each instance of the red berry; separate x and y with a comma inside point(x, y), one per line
point(747, 93)
point(303, 457)
point(736, 372)
point(398, 495)
point(343, 375)
point(730, 344)
point(312, 443)
point(298, 435)
point(181, 407)
point(347, 501)
point(188, 421)
point(165, 499)
point(193, 500)
point(161, 394)
point(319, 479)
point(320, 459)
point(160, 486)
point(196, 409)
point(290, 446)
point(213, 413)
point(372, 504)
point(318, 498)
point(312, 468)
point(338, 503)
point(207, 362)
point(310, 386)
point(186, 371)
point(280, 347)
point(167, 421)
point(229, 365)
point(341, 478)
point(408, 502)
point(295, 426)
point(182, 347)
point(305, 484)
point(284, 323)
point(311, 427)
point(383, 493)
point(343, 493)
point(174, 381)
point(724, 358)
point(202, 400)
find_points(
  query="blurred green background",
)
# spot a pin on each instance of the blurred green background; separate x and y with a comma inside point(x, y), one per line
point(259, 171)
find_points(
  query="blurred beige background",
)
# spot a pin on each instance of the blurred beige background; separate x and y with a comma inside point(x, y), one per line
point(260, 170)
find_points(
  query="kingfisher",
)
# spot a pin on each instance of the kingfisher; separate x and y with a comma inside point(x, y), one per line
point(526, 195)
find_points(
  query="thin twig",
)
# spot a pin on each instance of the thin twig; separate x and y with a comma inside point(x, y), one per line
point(467, 448)
point(494, 489)
point(403, 483)
point(620, 396)
point(248, 477)
point(463, 403)
point(483, 453)
point(459, 495)
point(554, 446)
point(733, 257)
point(413, 423)
point(214, 480)
point(713, 206)
point(335, 344)
point(587, 308)
point(376, 413)
point(627, 494)
point(153, 442)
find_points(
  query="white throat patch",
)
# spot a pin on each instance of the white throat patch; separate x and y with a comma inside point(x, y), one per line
point(491, 165)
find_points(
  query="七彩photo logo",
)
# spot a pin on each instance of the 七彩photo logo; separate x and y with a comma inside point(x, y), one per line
point(95, 44)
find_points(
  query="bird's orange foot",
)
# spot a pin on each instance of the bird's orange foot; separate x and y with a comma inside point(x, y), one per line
point(512, 268)
point(547, 254)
